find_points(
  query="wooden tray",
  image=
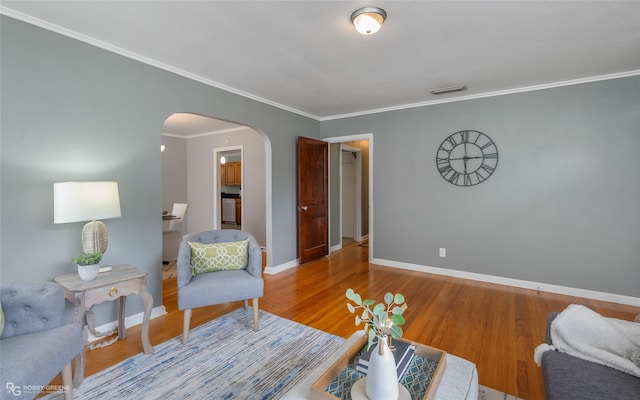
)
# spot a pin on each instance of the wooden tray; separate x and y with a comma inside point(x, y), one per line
point(318, 387)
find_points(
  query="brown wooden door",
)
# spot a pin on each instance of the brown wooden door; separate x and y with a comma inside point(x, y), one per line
point(313, 199)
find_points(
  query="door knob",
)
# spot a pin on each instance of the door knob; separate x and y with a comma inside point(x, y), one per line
point(304, 208)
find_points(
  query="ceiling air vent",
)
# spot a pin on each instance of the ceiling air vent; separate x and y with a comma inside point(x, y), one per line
point(450, 89)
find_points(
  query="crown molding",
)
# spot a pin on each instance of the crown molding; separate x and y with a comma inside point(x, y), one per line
point(489, 94)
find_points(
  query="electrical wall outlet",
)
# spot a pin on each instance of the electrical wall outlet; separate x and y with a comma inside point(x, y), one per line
point(443, 252)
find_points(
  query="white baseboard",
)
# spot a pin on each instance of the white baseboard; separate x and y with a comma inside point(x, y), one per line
point(131, 320)
point(335, 248)
point(545, 287)
point(281, 267)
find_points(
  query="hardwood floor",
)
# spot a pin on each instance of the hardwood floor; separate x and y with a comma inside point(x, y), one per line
point(494, 326)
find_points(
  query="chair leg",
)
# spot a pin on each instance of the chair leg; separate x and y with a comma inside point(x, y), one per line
point(185, 326)
point(246, 304)
point(78, 375)
point(255, 314)
point(67, 382)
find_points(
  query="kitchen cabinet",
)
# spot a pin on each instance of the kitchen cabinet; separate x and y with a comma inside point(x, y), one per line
point(238, 211)
point(237, 178)
point(231, 173)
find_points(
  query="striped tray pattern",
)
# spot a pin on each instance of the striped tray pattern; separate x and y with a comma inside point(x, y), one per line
point(417, 378)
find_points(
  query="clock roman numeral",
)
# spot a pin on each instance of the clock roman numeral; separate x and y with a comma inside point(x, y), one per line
point(491, 155)
point(487, 168)
point(487, 145)
point(445, 169)
point(477, 137)
point(465, 136)
point(452, 141)
point(467, 180)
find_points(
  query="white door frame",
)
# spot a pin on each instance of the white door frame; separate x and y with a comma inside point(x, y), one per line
point(217, 184)
point(352, 138)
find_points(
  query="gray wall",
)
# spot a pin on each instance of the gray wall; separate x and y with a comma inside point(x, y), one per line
point(174, 175)
point(561, 208)
point(71, 111)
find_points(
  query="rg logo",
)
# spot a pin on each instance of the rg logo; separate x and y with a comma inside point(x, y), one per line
point(13, 389)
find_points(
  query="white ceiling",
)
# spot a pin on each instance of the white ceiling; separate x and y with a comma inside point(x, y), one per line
point(306, 57)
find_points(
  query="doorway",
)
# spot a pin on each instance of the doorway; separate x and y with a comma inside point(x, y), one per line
point(364, 236)
point(228, 185)
point(351, 194)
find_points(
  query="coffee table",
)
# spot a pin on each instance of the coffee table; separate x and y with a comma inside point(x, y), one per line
point(459, 380)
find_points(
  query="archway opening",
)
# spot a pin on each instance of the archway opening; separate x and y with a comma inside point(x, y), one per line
point(191, 173)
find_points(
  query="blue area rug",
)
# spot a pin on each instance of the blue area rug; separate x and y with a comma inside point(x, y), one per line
point(223, 359)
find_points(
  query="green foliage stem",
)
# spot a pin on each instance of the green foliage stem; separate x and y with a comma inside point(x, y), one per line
point(375, 315)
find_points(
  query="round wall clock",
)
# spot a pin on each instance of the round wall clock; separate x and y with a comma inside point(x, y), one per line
point(467, 158)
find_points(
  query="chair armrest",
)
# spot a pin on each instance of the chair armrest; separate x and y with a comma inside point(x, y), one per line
point(183, 264)
point(254, 264)
point(31, 307)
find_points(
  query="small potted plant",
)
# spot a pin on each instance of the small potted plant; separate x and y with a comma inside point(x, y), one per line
point(381, 320)
point(88, 265)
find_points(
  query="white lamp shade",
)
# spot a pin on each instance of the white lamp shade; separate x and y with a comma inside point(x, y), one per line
point(85, 201)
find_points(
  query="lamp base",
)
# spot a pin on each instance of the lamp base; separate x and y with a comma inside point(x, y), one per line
point(94, 237)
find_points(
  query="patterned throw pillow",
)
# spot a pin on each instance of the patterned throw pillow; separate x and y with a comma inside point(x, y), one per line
point(218, 256)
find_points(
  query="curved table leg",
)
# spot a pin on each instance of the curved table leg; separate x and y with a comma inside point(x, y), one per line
point(148, 304)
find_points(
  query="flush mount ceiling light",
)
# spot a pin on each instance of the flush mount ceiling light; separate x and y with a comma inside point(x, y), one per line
point(368, 20)
point(450, 89)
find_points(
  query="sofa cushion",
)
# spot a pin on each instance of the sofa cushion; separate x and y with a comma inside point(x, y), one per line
point(218, 256)
point(230, 286)
point(568, 377)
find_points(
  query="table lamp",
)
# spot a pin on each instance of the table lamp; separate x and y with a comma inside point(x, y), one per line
point(87, 201)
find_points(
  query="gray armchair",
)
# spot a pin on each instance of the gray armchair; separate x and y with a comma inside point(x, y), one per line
point(35, 344)
point(219, 287)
